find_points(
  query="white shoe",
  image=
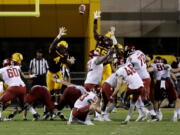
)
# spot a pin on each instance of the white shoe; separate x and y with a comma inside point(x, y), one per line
point(159, 115)
point(88, 122)
point(174, 119)
point(99, 118)
point(106, 117)
point(140, 117)
point(128, 117)
point(7, 119)
point(126, 121)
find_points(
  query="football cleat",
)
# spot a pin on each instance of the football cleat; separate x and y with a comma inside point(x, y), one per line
point(159, 115)
point(7, 119)
point(61, 116)
point(35, 117)
point(124, 122)
point(45, 117)
point(89, 122)
point(174, 119)
point(1, 119)
point(153, 118)
point(106, 117)
point(99, 118)
point(142, 117)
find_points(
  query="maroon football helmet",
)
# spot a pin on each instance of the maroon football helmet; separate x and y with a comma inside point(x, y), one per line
point(8, 62)
point(93, 53)
point(129, 49)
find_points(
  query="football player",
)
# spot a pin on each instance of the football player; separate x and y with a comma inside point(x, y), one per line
point(11, 75)
point(138, 60)
point(110, 88)
point(163, 85)
point(58, 54)
point(95, 70)
point(103, 44)
point(70, 95)
point(135, 86)
point(85, 105)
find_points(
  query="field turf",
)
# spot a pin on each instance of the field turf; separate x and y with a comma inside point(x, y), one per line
point(57, 127)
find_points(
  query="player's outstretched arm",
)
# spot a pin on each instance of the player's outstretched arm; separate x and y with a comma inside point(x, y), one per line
point(175, 70)
point(102, 59)
point(97, 15)
point(62, 32)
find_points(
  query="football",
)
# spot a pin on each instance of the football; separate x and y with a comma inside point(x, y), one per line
point(82, 9)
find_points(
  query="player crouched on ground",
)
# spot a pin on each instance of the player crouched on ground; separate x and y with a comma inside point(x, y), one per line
point(83, 107)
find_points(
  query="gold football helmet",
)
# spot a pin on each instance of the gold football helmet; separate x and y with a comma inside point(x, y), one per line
point(62, 43)
point(18, 57)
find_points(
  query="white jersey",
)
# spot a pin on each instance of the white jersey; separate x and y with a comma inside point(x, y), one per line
point(167, 73)
point(94, 75)
point(159, 70)
point(84, 100)
point(112, 80)
point(11, 76)
point(1, 87)
point(138, 59)
point(130, 75)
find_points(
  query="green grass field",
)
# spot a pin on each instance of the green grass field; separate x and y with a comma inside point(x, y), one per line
point(57, 127)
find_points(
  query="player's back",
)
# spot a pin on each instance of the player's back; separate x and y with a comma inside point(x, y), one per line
point(11, 76)
point(132, 78)
point(94, 75)
point(138, 59)
point(159, 70)
point(79, 88)
point(85, 98)
point(112, 80)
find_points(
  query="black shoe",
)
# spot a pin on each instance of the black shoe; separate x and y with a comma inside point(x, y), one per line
point(25, 119)
point(61, 116)
point(45, 116)
point(153, 118)
point(10, 116)
point(36, 117)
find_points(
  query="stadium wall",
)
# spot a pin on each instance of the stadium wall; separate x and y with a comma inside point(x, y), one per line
point(53, 14)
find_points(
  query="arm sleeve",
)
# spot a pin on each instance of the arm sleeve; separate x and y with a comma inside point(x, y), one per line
point(53, 44)
point(96, 34)
point(30, 65)
point(46, 64)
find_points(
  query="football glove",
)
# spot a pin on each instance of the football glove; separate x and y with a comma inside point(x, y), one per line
point(33, 76)
point(62, 32)
point(71, 60)
point(97, 14)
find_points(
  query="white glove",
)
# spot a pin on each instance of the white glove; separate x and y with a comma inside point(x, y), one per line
point(71, 60)
point(62, 32)
point(33, 76)
point(97, 14)
point(112, 30)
